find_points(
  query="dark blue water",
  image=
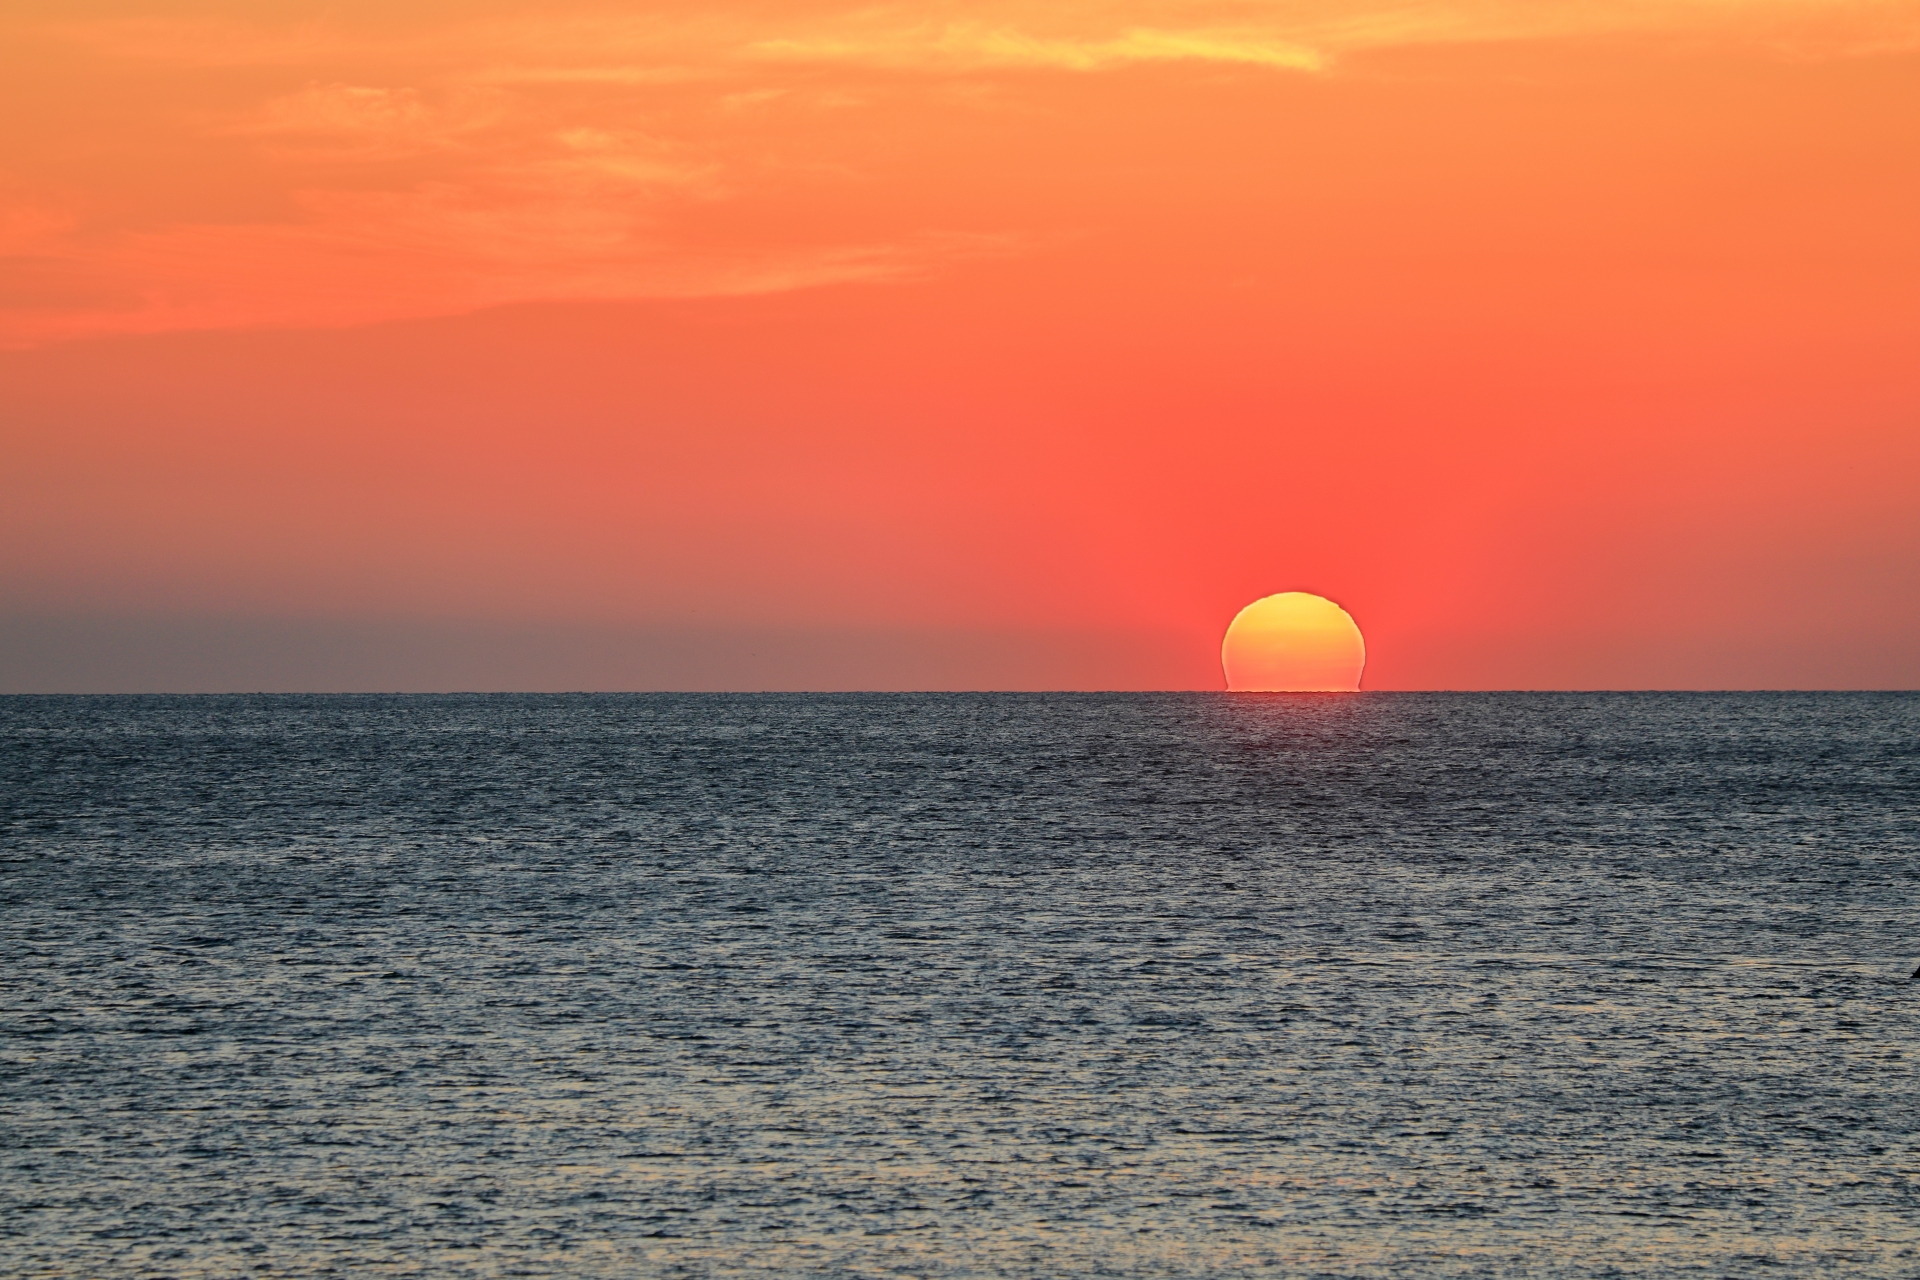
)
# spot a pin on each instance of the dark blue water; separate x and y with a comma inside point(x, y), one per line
point(960, 985)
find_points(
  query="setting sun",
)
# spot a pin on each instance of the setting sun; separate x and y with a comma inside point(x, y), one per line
point(1294, 641)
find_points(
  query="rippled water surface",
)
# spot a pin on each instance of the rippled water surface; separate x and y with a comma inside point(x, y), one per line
point(960, 985)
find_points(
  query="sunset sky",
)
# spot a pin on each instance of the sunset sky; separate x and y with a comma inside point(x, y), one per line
point(434, 345)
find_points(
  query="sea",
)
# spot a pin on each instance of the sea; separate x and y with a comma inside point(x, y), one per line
point(960, 985)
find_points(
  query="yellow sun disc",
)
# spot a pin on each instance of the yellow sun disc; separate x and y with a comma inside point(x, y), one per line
point(1296, 642)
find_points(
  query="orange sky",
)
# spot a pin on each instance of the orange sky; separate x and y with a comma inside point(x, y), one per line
point(802, 345)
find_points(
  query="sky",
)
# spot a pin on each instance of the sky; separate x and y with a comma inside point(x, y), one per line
point(431, 345)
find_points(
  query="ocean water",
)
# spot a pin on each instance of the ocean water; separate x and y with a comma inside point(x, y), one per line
point(995, 985)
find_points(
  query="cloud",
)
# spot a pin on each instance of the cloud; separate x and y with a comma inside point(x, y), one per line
point(347, 122)
point(1301, 35)
point(594, 43)
point(572, 229)
point(388, 166)
point(971, 46)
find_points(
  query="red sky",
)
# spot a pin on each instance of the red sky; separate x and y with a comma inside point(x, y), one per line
point(444, 345)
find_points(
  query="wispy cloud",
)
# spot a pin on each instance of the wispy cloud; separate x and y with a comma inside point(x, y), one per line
point(412, 168)
point(595, 43)
point(973, 46)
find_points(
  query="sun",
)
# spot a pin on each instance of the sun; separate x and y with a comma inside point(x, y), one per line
point(1294, 641)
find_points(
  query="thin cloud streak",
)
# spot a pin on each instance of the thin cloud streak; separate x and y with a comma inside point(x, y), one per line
point(399, 169)
point(590, 41)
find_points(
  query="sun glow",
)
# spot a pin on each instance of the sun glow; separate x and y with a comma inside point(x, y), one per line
point(1296, 642)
